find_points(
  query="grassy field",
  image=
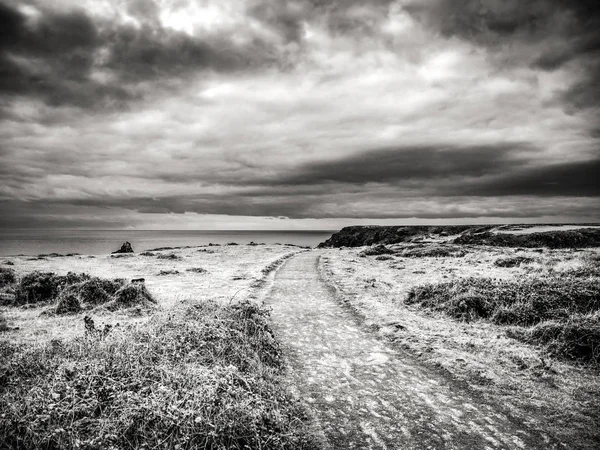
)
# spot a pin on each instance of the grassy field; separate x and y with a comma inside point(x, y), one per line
point(519, 325)
point(183, 360)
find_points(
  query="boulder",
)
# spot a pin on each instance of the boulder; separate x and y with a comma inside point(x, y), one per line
point(125, 248)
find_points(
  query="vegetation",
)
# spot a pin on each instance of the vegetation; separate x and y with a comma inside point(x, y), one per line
point(196, 270)
point(205, 377)
point(580, 238)
point(74, 293)
point(375, 250)
point(168, 272)
point(43, 287)
point(170, 256)
point(512, 261)
point(433, 251)
point(562, 313)
point(7, 276)
point(3, 323)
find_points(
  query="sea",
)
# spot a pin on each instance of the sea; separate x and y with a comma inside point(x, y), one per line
point(97, 242)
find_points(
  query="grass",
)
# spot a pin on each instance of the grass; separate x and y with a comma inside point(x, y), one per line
point(207, 376)
point(581, 238)
point(560, 313)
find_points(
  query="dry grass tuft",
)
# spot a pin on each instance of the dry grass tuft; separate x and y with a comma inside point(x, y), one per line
point(204, 377)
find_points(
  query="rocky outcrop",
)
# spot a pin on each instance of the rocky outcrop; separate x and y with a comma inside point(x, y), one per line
point(357, 236)
point(125, 248)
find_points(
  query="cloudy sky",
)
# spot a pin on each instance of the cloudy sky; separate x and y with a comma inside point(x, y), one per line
point(277, 114)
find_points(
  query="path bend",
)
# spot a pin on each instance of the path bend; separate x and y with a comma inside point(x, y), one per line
point(362, 392)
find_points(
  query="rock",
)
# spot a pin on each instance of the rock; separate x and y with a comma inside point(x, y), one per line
point(125, 248)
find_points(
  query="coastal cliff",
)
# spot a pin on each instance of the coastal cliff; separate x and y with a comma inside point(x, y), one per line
point(356, 236)
point(529, 236)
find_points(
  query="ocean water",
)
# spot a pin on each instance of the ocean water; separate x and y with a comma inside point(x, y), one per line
point(96, 242)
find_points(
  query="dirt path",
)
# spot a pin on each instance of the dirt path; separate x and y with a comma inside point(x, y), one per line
point(365, 394)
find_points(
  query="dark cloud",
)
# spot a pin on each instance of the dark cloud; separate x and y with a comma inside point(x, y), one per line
point(67, 57)
point(405, 164)
point(542, 34)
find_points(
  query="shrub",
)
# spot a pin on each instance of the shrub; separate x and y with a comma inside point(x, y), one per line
point(96, 290)
point(205, 377)
point(68, 303)
point(433, 252)
point(512, 261)
point(196, 270)
point(37, 287)
point(7, 276)
point(3, 323)
point(170, 256)
point(583, 237)
point(577, 338)
point(132, 294)
point(383, 258)
point(168, 272)
point(563, 313)
point(524, 301)
point(147, 254)
point(375, 250)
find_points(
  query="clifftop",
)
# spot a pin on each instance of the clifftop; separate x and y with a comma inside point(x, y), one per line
point(551, 236)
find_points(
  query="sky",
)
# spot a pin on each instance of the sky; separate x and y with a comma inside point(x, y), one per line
point(299, 114)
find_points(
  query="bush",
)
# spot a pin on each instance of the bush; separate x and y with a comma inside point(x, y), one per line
point(132, 294)
point(37, 287)
point(168, 272)
point(95, 291)
point(170, 256)
point(524, 301)
point(581, 238)
point(205, 377)
point(512, 261)
point(196, 270)
point(68, 303)
point(552, 307)
point(7, 276)
point(384, 258)
point(377, 250)
point(577, 338)
point(433, 252)
point(3, 323)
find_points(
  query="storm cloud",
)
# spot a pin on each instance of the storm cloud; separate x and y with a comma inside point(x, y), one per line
point(155, 113)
